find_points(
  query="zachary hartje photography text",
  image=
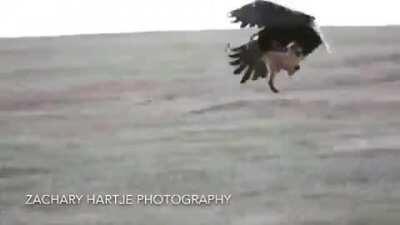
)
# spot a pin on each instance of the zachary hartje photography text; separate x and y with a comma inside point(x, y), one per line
point(128, 199)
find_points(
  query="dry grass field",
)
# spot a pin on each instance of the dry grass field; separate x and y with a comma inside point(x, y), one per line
point(162, 113)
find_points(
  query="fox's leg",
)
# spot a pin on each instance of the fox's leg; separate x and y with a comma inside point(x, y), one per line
point(271, 82)
point(271, 75)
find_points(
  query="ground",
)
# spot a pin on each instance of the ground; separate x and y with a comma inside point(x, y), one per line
point(162, 113)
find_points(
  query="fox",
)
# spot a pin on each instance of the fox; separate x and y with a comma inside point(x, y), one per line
point(287, 59)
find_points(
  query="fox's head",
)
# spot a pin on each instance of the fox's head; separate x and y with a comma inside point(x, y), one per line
point(295, 52)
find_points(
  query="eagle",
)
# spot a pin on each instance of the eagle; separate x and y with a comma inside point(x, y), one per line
point(284, 39)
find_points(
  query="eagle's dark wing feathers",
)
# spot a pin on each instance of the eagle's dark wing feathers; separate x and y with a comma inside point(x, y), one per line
point(268, 14)
point(249, 57)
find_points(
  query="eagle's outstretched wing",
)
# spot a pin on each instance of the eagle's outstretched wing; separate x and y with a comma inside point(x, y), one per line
point(268, 14)
point(249, 57)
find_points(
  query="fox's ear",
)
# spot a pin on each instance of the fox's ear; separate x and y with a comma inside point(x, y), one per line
point(295, 48)
point(291, 45)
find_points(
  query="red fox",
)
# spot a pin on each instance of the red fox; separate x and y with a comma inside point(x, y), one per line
point(287, 59)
